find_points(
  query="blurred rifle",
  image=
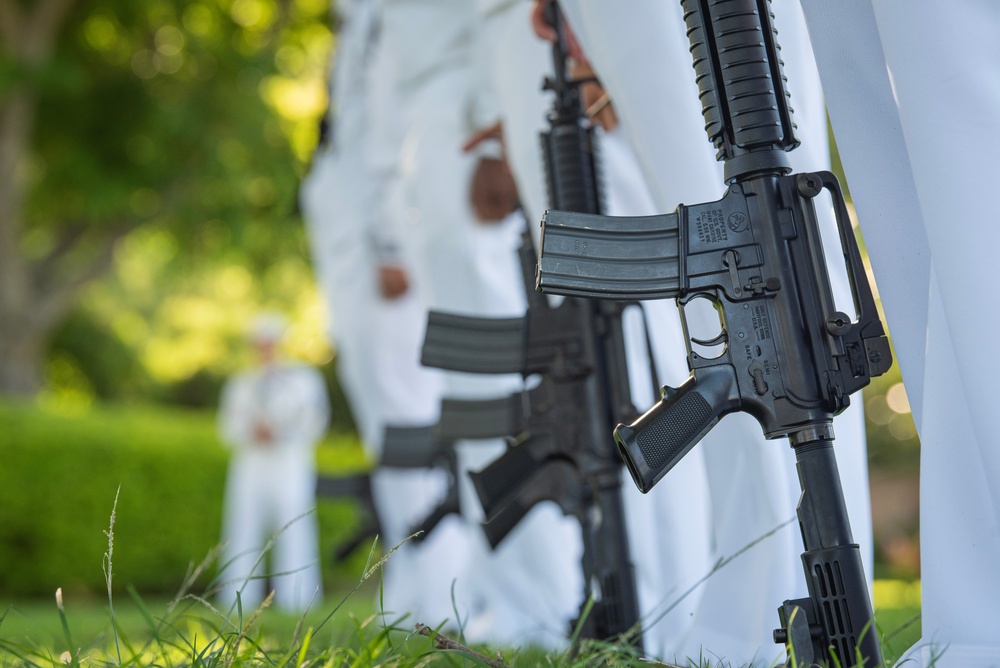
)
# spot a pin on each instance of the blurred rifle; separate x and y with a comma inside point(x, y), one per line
point(560, 448)
point(790, 358)
point(357, 487)
point(422, 447)
point(403, 447)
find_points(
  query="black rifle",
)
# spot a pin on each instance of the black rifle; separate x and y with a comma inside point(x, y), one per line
point(790, 360)
point(561, 449)
point(422, 447)
point(403, 447)
point(359, 488)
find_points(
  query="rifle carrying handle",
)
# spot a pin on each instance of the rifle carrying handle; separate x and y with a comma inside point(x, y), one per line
point(658, 439)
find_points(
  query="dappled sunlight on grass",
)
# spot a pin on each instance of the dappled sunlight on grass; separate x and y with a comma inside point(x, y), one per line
point(897, 594)
point(897, 615)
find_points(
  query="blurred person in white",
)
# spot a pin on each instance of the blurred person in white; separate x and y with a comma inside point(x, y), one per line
point(375, 320)
point(913, 94)
point(528, 589)
point(271, 416)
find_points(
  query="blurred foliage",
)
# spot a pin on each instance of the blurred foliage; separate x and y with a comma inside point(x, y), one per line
point(85, 358)
point(184, 113)
point(188, 123)
point(192, 122)
point(184, 125)
point(57, 486)
point(893, 444)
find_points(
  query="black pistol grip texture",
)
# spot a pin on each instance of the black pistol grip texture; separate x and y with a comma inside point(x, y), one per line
point(666, 437)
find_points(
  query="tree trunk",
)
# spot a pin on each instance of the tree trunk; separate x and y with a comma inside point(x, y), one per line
point(29, 308)
point(22, 355)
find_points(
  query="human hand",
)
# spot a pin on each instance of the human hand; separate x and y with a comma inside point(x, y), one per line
point(596, 103)
point(545, 30)
point(392, 281)
point(263, 435)
point(493, 193)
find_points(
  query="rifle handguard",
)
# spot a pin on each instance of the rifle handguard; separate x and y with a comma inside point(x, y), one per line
point(660, 438)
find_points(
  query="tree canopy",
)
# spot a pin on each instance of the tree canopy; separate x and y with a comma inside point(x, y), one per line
point(159, 143)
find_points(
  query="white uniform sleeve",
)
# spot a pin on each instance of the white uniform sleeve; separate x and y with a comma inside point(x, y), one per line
point(300, 414)
point(234, 422)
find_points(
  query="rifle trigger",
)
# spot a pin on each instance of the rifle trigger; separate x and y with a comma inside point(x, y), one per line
point(718, 339)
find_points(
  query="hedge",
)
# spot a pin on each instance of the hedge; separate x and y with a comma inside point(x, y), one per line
point(59, 474)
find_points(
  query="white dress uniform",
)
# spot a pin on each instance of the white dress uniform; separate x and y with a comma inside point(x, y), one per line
point(527, 590)
point(353, 228)
point(668, 528)
point(640, 52)
point(270, 486)
point(913, 97)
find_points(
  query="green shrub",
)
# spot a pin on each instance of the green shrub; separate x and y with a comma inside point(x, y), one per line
point(59, 474)
point(99, 362)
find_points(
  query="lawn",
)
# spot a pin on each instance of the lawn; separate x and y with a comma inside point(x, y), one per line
point(58, 485)
point(343, 631)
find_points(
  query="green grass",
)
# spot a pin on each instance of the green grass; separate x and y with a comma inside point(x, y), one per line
point(897, 616)
point(37, 623)
point(60, 477)
point(343, 630)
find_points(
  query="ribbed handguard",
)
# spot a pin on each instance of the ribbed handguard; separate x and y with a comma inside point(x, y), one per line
point(742, 87)
point(571, 168)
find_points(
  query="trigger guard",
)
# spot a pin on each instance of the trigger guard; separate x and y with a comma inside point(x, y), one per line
point(722, 338)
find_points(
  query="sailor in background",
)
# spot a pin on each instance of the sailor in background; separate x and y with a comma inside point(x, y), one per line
point(271, 417)
point(375, 320)
point(528, 589)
